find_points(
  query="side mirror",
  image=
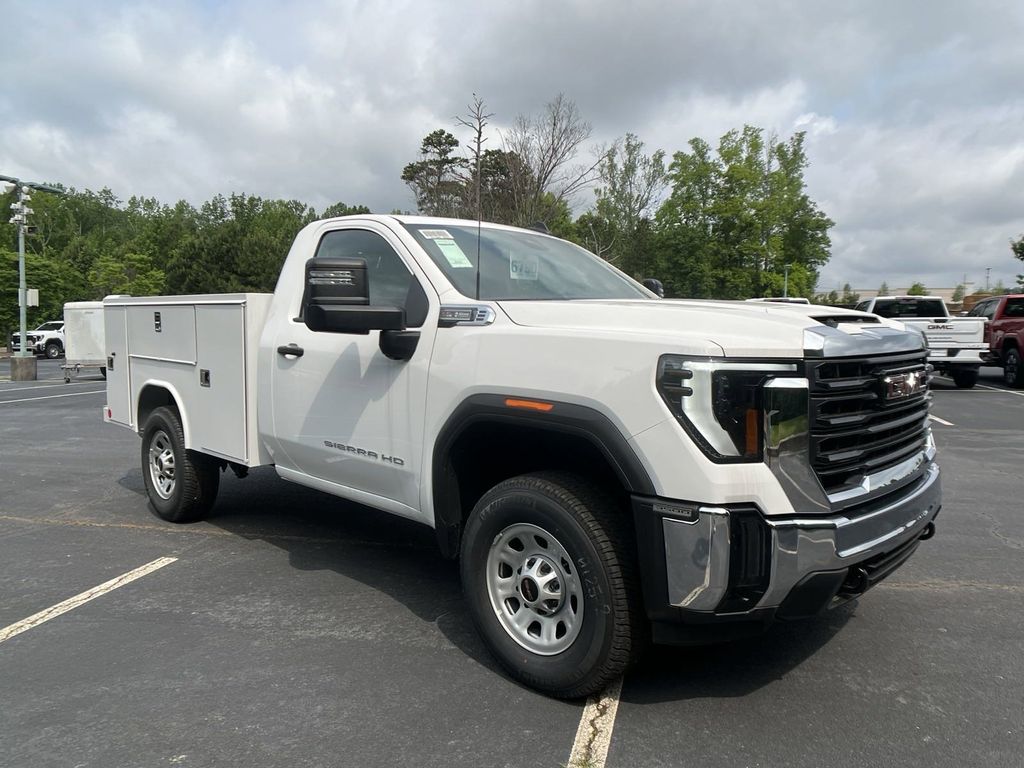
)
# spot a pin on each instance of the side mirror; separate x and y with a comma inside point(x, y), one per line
point(654, 286)
point(337, 299)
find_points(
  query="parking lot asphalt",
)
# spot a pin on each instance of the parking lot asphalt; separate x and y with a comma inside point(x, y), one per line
point(297, 629)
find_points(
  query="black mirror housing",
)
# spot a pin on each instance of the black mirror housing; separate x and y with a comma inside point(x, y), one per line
point(337, 299)
point(655, 286)
point(336, 282)
point(347, 319)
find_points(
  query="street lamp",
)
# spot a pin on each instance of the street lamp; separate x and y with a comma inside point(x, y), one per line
point(20, 219)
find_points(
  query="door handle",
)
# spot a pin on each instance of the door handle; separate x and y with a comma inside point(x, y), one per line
point(291, 350)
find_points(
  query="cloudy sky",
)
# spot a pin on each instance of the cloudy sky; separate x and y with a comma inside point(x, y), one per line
point(914, 111)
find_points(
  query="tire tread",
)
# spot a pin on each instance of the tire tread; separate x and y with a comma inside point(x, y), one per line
point(611, 533)
point(199, 479)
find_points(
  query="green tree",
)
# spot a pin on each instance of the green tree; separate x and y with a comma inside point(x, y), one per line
point(849, 296)
point(436, 178)
point(883, 289)
point(1017, 248)
point(341, 209)
point(630, 184)
point(239, 244)
point(736, 216)
point(56, 281)
point(958, 294)
point(130, 273)
point(917, 289)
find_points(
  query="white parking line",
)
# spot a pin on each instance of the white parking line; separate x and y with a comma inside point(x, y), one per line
point(594, 735)
point(41, 386)
point(933, 417)
point(51, 397)
point(91, 594)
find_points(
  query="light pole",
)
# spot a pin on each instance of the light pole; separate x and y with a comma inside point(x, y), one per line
point(22, 370)
point(785, 281)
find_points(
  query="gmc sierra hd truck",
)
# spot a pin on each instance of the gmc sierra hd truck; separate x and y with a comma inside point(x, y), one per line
point(956, 345)
point(607, 466)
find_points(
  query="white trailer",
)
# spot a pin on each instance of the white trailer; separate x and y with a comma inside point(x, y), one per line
point(83, 339)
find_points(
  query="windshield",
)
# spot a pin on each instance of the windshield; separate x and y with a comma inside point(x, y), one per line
point(520, 265)
point(910, 308)
point(54, 325)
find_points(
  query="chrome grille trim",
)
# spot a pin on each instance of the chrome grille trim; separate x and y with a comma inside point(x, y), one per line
point(862, 445)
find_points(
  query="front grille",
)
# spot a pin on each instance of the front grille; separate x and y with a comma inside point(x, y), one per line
point(854, 429)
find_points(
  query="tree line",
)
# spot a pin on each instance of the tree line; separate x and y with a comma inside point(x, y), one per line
point(732, 220)
point(88, 245)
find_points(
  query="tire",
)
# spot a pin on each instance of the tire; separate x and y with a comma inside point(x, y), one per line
point(103, 372)
point(181, 485)
point(964, 378)
point(1013, 374)
point(52, 350)
point(551, 549)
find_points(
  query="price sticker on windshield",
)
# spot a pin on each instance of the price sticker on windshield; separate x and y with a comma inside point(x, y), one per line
point(453, 254)
point(525, 267)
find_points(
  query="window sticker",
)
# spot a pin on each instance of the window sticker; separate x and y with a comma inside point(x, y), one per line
point(525, 267)
point(436, 234)
point(454, 255)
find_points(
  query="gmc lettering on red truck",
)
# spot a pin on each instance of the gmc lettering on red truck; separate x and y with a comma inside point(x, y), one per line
point(607, 466)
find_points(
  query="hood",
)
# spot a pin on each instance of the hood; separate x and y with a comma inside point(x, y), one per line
point(740, 329)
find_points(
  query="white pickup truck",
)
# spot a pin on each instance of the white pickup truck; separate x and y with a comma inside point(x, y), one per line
point(608, 466)
point(955, 344)
point(47, 339)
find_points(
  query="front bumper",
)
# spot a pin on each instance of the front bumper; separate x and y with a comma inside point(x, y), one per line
point(712, 570)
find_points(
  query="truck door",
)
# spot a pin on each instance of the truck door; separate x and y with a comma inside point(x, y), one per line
point(343, 412)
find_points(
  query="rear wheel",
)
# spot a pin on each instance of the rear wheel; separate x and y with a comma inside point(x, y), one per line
point(1013, 375)
point(964, 378)
point(181, 485)
point(549, 572)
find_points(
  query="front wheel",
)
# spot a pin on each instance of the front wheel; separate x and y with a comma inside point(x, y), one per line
point(181, 485)
point(52, 350)
point(964, 378)
point(1013, 375)
point(549, 572)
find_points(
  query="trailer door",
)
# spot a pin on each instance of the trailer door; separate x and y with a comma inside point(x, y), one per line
point(115, 331)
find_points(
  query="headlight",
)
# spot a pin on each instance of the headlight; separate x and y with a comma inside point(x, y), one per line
point(720, 404)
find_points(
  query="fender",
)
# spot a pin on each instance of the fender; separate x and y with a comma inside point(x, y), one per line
point(175, 396)
point(564, 418)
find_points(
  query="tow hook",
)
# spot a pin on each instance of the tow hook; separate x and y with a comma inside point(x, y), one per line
point(928, 532)
point(856, 582)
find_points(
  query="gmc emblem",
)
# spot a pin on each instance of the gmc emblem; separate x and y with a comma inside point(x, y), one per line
point(897, 386)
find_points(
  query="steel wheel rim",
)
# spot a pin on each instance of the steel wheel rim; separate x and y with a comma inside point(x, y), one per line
point(161, 464)
point(534, 589)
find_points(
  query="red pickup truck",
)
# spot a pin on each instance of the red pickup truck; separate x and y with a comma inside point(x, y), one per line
point(1005, 335)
